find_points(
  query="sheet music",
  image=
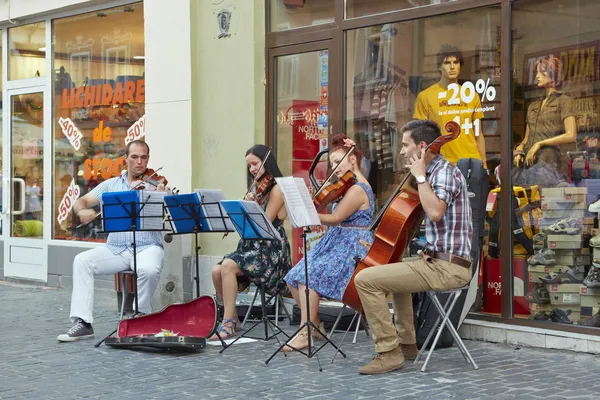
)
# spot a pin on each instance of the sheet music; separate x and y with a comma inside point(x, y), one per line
point(153, 211)
point(260, 218)
point(212, 212)
point(298, 202)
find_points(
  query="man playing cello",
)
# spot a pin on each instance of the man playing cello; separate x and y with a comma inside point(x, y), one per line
point(443, 264)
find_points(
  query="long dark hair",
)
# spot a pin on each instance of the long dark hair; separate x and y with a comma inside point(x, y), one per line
point(270, 166)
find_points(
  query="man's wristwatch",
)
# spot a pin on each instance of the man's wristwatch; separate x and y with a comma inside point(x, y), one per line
point(421, 179)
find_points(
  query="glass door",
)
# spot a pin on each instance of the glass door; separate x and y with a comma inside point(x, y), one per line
point(303, 104)
point(23, 171)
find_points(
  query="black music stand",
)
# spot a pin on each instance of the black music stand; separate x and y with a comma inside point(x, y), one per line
point(122, 212)
point(190, 214)
point(254, 225)
point(295, 189)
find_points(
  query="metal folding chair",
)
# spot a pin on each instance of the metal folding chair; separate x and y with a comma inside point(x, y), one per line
point(358, 324)
point(444, 317)
point(125, 289)
point(277, 298)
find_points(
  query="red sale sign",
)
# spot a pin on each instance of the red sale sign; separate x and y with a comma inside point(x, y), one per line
point(305, 130)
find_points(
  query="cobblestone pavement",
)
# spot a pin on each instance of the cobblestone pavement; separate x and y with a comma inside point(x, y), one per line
point(33, 365)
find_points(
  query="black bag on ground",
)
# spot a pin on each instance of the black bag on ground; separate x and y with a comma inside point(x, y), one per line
point(425, 313)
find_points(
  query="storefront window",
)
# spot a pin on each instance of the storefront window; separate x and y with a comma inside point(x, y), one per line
point(27, 51)
point(396, 73)
point(290, 14)
point(556, 168)
point(98, 70)
point(361, 8)
point(443, 68)
point(302, 122)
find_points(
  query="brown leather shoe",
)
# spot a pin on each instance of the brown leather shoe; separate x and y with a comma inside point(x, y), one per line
point(410, 351)
point(384, 362)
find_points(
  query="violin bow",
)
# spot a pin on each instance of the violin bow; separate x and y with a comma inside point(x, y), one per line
point(333, 171)
point(255, 178)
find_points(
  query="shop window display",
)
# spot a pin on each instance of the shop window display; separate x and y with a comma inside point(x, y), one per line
point(556, 171)
point(99, 94)
point(445, 68)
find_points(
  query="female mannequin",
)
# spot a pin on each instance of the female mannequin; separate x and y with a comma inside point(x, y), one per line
point(551, 131)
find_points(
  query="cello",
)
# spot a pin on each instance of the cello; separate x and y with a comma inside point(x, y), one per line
point(396, 224)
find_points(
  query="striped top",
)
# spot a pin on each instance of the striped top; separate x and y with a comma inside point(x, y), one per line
point(120, 241)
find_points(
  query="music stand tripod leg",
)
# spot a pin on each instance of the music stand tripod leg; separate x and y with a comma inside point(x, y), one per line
point(263, 320)
point(308, 324)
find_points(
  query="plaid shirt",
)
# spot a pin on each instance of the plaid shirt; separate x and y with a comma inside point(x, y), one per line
point(120, 241)
point(453, 233)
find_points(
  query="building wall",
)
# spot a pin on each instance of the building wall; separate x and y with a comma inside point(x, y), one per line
point(228, 106)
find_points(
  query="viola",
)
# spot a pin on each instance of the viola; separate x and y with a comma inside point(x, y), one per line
point(333, 191)
point(396, 224)
point(149, 180)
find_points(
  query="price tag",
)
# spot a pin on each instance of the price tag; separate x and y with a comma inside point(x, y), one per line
point(136, 131)
point(71, 132)
point(68, 200)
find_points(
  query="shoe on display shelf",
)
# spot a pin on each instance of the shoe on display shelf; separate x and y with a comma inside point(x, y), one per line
point(595, 241)
point(543, 257)
point(538, 295)
point(566, 275)
point(594, 207)
point(560, 316)
point(567, 226)
point(542, 316)
point(592, 280)
point(593, 321)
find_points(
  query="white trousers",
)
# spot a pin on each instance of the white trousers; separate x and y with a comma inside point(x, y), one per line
point(102, 261)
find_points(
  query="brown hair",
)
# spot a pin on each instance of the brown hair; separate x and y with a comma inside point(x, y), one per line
point(337, 143)
point(553, 67)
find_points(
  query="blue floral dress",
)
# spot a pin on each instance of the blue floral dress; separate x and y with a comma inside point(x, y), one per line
point(331, 262)
point(268, 259)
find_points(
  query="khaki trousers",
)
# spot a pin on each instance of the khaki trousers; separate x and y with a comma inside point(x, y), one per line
point(401, 280)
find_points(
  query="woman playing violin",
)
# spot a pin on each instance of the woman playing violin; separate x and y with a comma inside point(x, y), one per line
point(255, 259)
point(332, 260)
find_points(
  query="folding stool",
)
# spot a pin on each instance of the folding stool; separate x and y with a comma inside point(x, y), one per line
point(444, 317)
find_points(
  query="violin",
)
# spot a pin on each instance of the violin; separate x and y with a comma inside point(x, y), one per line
point(396, 224)
point(328, 193)
point(266, 183)
point(149, 180)
point(334, 191)
point(264, 187)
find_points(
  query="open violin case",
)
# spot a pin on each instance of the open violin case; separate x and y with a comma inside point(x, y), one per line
point(191, 323)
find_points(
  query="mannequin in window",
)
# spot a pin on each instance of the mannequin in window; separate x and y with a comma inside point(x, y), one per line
point(430, 106)
point(551, 131)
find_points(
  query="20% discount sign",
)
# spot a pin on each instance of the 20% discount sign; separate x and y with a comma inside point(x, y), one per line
point(466, 94)
point(68, 200)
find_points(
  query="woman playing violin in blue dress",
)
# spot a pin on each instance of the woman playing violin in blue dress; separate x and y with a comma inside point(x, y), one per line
point(332, 260)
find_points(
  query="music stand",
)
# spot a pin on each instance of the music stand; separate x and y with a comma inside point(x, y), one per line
point(295, 192)
point(190, 214)
point(251, 222)
point(129, 212)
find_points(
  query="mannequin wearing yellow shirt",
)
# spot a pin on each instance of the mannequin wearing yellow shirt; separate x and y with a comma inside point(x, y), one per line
point(433, 106)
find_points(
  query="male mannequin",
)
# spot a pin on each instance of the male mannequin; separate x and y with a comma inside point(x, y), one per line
point(433, 105)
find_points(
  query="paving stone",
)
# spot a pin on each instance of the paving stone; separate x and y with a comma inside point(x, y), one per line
point(34, 365)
